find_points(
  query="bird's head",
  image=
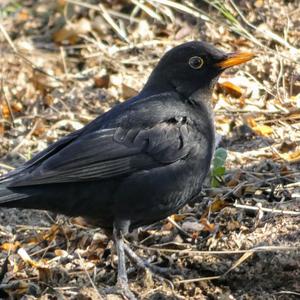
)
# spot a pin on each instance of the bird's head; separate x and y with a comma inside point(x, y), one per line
point(192, 67)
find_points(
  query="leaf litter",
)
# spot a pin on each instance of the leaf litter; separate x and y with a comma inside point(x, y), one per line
point(64, 63)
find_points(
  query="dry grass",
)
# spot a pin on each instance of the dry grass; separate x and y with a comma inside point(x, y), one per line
point(65, 62)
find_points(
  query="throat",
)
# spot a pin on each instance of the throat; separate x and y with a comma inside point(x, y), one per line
point(201, 101)
point(203, 97)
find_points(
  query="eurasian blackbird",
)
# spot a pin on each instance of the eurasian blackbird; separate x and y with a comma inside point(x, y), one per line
point(137, 163)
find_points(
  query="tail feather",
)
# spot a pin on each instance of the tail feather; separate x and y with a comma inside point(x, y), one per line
point(7, 195)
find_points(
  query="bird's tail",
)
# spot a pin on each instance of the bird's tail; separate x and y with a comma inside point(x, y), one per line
point(9, 195)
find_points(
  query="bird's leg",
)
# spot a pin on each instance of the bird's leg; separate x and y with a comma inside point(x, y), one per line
point(122, 282)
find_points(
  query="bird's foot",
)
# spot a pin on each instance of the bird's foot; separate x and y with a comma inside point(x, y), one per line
point(122, 289)
point(159, 272)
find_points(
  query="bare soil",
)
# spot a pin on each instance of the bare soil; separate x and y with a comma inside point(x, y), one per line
point(63, 65)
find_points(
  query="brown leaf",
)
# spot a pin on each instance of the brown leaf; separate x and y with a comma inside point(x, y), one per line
point(168, 226)
point(5, 111)
point(10, 246)
point(39, 128)
point(51, 234)
point(17, 106)
point(128, 91)
point(177, 218)
point(292, 157)
point(1, 129)
point(217, 205)
point(233, 225)
point(263, 130)
point(287, 146)
point(60, 252)
point(71, 31)
point(234, 181)
point(23, 15)
point(230, 88)
point(48, 100)
point(101, 81)
point(17, 288)
point(207, 226)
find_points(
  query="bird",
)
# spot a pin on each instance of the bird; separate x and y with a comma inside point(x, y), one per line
point(139, 162)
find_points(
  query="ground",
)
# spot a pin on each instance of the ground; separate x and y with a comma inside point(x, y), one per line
point(65, 62)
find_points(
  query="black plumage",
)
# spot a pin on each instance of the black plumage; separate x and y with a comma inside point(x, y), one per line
point(139, 162)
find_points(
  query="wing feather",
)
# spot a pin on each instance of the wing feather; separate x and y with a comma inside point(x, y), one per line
point(94, 153)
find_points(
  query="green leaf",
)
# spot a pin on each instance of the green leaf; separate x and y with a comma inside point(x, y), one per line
point(219, 158)
point(219, 171)
point(218, 168)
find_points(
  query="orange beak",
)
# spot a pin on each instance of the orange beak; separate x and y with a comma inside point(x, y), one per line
point(234, 59)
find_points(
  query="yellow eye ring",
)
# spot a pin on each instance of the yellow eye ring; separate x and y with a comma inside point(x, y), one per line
point(196, 62)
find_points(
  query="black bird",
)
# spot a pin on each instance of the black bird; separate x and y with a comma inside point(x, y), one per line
point(137, 163)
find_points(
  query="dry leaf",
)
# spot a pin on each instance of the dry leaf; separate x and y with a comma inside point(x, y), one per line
point(1, 129)
point(40, 128)
point(71, 31)
point(263, 130)
point(235, 180)
point(5, 111)
point(230, 88)
point(17, 106)
point(168, 226)
point(15, 289)
point(207, 226)
point(292, 157)
point(23, 15)
point(51, 234)
point(251, 122)
point(192, 226)
point(233, 225)
point(10, 246)
point(48, 100)
point(60, 252)
point(128, 92)
point(26, 258)
point(177, 218)
point(217, 205)
point(287, 146)
point(101, 81)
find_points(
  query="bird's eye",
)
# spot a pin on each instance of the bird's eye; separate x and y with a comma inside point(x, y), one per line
point(196, 62)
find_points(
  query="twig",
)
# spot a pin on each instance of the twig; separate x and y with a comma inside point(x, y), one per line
point(7, 37)
point(182, 8)
point(88, 275)
point(191, 252)
point(147, 10)
point(244, 257)
point(106, 16)
point(289, 293)
point(279, 78)
point(2, 79)
point(26, 138)
point(110, 11)
point(271, 210)
point(5, 166)
point(178, 227)
point(63, 58)
point(262, 86)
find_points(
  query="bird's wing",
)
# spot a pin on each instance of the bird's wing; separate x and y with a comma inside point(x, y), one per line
point(42, 156)
point(110, 152)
